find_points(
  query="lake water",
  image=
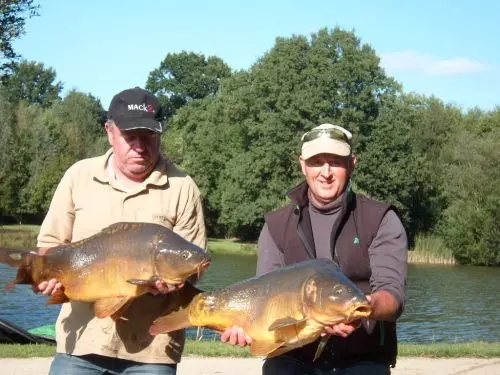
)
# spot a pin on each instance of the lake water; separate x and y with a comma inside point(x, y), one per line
point(444, 303)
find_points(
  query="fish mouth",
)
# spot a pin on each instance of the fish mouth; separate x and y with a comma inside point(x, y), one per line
point(361, 311)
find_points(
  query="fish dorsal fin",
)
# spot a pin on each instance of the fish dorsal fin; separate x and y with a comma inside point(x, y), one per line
point(285, 322)
point(119, 226)
point(58, 297)
point(115, 226)
point(263, 348)
point(105, 307)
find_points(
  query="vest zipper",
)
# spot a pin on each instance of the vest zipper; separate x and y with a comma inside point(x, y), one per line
point(382, 333)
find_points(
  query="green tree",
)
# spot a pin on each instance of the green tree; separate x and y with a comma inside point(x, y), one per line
point(258, 117)
point(395, 170)
point(7, 188)
point(471, 223)
point(186, 76)
point(32, 82)
point(13, 15)
point(70, 130)
point(26, 119)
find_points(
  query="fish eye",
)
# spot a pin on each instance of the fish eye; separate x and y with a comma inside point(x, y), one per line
point(186, 254)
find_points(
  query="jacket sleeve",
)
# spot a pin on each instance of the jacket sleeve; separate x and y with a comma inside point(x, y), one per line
point(389, 258)
point(269, 256)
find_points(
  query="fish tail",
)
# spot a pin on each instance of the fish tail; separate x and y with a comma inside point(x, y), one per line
point(178, 318)
point(13, 257)
point(171, 322)
point(17, 258)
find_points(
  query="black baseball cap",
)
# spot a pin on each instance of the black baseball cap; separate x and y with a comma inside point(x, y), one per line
point(135, 108)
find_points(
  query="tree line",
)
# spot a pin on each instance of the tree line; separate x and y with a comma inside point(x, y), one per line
point(237, 133)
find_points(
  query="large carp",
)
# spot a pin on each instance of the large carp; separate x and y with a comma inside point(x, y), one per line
point(280, 311)
point(112, 267)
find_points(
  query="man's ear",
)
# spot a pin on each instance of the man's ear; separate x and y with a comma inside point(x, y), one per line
point(109, 132)
point(354, 160)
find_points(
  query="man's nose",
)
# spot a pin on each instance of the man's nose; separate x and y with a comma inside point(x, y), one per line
point(326, 169)
point(137, 143)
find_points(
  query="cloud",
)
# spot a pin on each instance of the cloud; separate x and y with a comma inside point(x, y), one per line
point(431, 65)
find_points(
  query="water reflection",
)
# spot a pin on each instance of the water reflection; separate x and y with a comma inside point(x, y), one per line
point(444, 303)
point(451, 304)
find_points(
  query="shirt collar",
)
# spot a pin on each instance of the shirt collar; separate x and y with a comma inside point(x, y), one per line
point(158, 177)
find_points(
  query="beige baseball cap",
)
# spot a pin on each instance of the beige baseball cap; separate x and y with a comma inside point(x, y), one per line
point(326, 139)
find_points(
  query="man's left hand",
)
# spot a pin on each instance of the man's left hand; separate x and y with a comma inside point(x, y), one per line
point(342, 329)
point(163, 288)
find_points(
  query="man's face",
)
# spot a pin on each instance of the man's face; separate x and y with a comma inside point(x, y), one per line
point(327, 176)
point(135, 151)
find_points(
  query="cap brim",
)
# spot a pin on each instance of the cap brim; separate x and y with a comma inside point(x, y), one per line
point(324, 145)
point(128, 124)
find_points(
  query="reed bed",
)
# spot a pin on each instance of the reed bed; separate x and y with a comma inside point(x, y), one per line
point(19, 236)
point(430, 249)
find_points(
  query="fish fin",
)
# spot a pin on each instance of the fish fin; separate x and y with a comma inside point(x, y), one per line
point(23, 260)
point(58, 297)
point(141, 282)
point(14, 257)
point(368, 324)
point(321, 347)
point(199, 333)
point(118, 313)
point(284, 322)
point(171, 322)
point(264, 348)
point(174, 320)
point(105, 307)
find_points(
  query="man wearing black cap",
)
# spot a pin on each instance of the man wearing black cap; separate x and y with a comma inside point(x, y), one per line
point(131, 182)
point(326, 219)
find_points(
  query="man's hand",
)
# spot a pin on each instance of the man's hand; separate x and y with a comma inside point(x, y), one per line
point(384, 306)
point(48, 288)
point(163, 288)
point(341, 329)
point(236, 336)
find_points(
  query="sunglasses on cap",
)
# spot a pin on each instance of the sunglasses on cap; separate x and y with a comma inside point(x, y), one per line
point(335, 132)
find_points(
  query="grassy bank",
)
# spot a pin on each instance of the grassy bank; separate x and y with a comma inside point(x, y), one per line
point(218, 349)
point(24, 236)
point(223, 246)
point(428, 249)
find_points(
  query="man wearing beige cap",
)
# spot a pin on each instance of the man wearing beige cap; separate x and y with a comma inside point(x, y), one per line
point(326, 219)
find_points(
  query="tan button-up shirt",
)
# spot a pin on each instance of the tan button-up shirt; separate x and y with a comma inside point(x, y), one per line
point(87, 200)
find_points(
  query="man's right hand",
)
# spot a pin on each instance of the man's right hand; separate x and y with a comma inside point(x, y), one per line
point(48, 288)
point(235, 336)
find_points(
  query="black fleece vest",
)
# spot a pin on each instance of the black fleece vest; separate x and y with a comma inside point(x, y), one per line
point(290, 228)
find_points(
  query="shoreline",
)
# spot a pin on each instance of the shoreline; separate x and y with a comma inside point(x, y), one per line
point(250, 366)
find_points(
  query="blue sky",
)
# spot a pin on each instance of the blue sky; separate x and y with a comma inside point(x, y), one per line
point(444, 48)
